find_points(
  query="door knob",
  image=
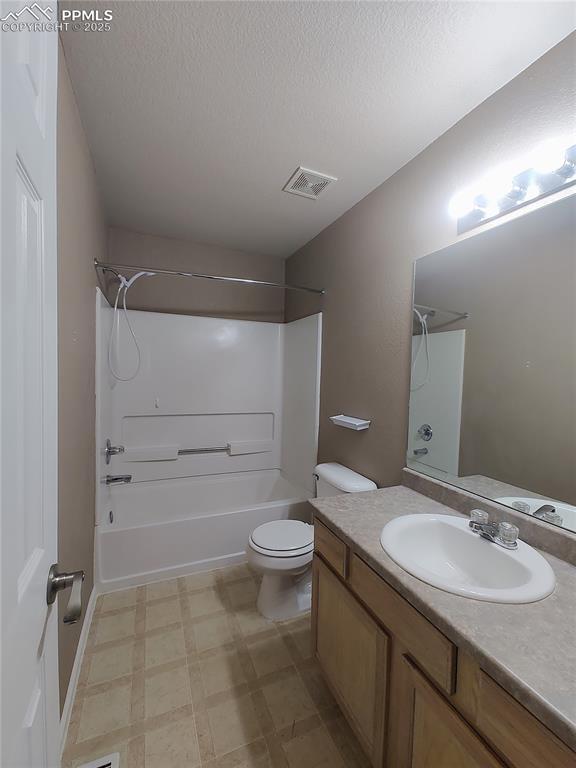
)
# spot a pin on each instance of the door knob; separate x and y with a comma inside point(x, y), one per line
point(59, 581)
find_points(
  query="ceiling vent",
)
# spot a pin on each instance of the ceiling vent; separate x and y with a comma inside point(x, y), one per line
point(307, 183)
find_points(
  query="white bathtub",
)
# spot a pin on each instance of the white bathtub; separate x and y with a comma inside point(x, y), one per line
point(167, 528)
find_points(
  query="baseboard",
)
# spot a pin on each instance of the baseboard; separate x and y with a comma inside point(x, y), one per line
point(73, 683)
point(148, 577)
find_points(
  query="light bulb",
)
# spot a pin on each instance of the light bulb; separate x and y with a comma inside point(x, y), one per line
point(461, 204)
point(496, 185)
point(533, 191)
point(491, 208)
point(549, 156)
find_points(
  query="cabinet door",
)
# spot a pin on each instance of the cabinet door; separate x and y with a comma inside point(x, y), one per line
point(440, 737)
point(352, 652)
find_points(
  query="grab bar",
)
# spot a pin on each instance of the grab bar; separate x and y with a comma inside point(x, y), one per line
point(234, 448)
point(216, 449)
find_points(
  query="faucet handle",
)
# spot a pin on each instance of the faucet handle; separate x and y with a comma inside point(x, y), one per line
point(508, 535)
point(479, 516)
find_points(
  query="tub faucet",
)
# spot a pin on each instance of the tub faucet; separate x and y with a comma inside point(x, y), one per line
point(118, 479)
point(504, 534)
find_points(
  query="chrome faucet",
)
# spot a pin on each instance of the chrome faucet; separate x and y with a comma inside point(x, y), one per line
point(548, 512)
point(112, 450)
point(544, 511)
point(504, 534)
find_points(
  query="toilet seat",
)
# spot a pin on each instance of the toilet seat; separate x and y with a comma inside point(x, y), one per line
point(283, 538)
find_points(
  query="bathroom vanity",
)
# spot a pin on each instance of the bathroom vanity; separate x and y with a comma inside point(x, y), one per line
point(427, 678)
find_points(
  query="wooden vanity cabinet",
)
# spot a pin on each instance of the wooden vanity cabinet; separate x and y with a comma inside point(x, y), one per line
point(412, 697)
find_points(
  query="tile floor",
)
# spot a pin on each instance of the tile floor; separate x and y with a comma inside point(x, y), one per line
point(186, 673)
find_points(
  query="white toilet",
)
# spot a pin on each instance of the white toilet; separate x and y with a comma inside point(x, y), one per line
point(282, 550)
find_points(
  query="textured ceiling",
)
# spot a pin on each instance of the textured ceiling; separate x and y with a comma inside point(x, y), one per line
point(197, 113)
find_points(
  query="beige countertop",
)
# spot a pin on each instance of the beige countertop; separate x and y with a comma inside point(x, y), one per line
point(529, 649)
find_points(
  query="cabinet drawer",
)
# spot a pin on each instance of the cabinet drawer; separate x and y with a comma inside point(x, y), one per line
point(515, 732)
point(334, 551)
point(427, 646)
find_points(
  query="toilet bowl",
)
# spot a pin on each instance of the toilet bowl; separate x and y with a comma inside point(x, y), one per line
point(282, 550)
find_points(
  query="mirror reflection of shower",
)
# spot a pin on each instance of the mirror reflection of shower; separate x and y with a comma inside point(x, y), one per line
point(436, 388)
point(423, 343)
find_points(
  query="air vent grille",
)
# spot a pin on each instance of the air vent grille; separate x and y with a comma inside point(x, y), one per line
point(307, 183)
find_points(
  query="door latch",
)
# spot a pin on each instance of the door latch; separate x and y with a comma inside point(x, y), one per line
point(59, 581)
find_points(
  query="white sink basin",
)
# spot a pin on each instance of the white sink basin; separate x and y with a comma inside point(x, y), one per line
point(443, 551)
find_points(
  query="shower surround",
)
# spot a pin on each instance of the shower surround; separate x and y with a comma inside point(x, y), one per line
point(204, 382)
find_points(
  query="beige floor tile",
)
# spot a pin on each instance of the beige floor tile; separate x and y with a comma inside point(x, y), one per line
point(235, 572)
point(125, 598)
point(344, 739)
point(233, 724)
point(161, 589)
point(93, 754)
point(115, 627)
point(111, 663)
point(288, 701)
point(255, 755)
point(205, 602)
point(166, 691)
point(212, 633)
point(165, 647)
point(105, 712)
point(314, 749)
point(302, 637)
point(200, 580)
point(174, 746)
point(163, 613)
point(229, 734)
point(222, 672)
point(242, 593)
point(316, 686)
point(250, 622)
point(269, 654)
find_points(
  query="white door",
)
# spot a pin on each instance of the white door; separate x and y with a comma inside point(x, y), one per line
point(28, 392)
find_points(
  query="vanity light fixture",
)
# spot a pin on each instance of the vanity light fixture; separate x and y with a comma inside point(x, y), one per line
point(550, 167)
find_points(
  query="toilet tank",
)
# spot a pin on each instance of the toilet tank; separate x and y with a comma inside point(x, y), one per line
point(332, 479)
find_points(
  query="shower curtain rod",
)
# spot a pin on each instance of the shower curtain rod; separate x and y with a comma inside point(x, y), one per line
point(432, 311)
point(105, 267)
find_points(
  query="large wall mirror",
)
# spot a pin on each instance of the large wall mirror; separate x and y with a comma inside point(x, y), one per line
point(493, 385)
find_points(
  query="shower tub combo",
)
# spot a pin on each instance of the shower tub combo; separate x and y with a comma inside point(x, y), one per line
point(167, 528)
point(217, 432)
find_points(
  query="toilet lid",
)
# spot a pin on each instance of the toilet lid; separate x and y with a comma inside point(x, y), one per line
point(283, 535)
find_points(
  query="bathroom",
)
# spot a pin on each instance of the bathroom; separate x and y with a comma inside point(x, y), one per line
point(288, 385)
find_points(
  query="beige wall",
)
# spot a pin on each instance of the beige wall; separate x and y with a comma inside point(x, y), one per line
point(198, 297)
point(518, 283)
point(81, 238)
point(364, 260)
